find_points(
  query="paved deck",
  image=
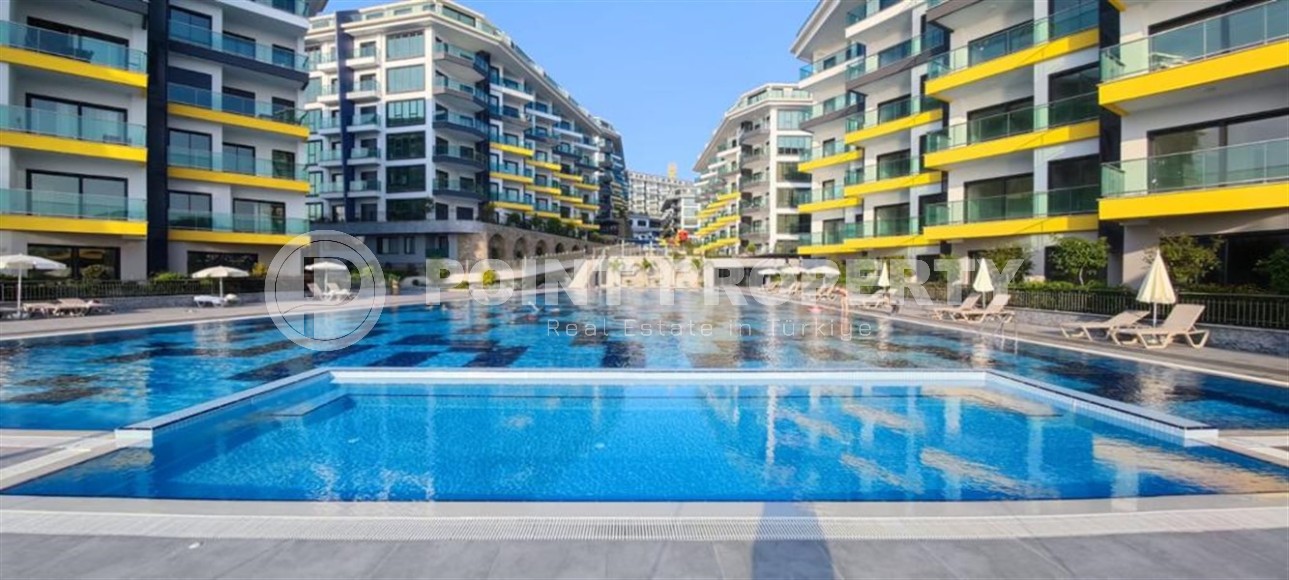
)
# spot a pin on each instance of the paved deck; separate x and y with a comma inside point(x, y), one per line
point(1239, 554)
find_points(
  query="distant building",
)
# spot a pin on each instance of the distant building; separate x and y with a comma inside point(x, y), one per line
point(647, 192)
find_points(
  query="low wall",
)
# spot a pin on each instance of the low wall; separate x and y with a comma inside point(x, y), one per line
point(1254, 340)
point(176, 301)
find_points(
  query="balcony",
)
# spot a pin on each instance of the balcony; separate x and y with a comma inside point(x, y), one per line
point(71, 54)
point(889, 175)
point(837, 107)
point(868, 9)
point(225, 109)
point(61, 212)
point(42, 130)
point(512, 173)
point(222, 228)
point(1039, 212)
point(364, 123)
point(1016, 48)
point(1054, 123)
point(824, 199)
point(460, 156)
point(365, 90)
point(461, 126)
point(892, 59)
point(821, 157)
point(366, 57)
point(236, 46)
point(1248, 177)
point(1241, 49)
point(831, 61)
point(459, 95)
point(892, 118)
point(460, 62)
point(513, 201)
point(513, 87)
point(357, 187)
point(364, 156)
point(460, 188)
point(514, 145)
point(236, 170)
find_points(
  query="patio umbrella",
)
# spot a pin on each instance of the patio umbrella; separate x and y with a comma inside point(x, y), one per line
point(220, 272)
point(1157, 288)
point(884, 279)
point(792, 270)
point(768, 272)
point(825, 270)
point(325, 266)
point(24, 262)
point(983, 283)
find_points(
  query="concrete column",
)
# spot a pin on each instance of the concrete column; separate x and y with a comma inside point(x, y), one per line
point(1137, 239)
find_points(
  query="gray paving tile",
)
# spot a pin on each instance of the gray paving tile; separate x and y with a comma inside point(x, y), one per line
point(631, 559)
point(313, 559)
point(549, 560)
point(886, 559)
point(171, 558)
point(1205, 555)
point(1110, 557)
point(687, 560)
point(995, 559)
point(30, 556)
point(438, 560)
point(775, 559)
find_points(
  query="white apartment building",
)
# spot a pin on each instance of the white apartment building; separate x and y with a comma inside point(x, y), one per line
point(647, 192)
point(749, 177)
point(121, 162)
point(430, 122)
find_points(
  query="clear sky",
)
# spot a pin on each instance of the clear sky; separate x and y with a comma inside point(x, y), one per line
point(662, 71)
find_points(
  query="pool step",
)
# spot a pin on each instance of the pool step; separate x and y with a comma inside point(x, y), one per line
point(311, 405)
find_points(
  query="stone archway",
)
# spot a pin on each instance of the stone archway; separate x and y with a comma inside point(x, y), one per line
point(575, 248)
point(496, 247)
point(559, 248)
point(520, 250)
point(540, 250)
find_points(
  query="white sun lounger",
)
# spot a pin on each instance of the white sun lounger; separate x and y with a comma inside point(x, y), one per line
point(1180, 323)
point(1123, 319)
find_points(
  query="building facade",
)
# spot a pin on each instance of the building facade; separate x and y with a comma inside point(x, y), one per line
point(429, 122)
point(141, 137)
point(948, 127)
point(649, 191)
point(749, 178)
point(680, 212)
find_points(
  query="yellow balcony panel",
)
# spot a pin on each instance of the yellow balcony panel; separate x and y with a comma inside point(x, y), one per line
point(1016, 227)
point(728, 197)
point(1015, 143)
point(570, 220)
point(513, 177)
point(567, 176)
point(239, 179)
point(266, 125)
point(31, 223)
point(823, 250)
point(893, 126)
point(243, 238)
point(569, 199)
point(1269, 196)
point(548, 214)
point(512, 149)
point(826, 205)
point(72, 66)
point(892, 184)
point(586, 187)
point(829, 161)
point(1117, 93)
point(73, 147)
point(545, 189)
point(1021, 58)
point(586, 206)
point(587, 226)
point(546, 165)
point(885, 242)
point(512, 206)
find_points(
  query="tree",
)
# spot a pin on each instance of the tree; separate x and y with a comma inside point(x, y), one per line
point(95, 272)
point(1001, 255)
point(1276, 268)
point(1187, 259)
point(1076, 256)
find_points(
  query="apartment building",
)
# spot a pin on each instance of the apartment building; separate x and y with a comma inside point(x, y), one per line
point(749, 178)
point(140, 137)
point(963, 125)
point(648, 192)
point(680, 212)
point(429, 122)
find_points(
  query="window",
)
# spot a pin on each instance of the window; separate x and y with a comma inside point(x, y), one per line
point(793, 145)
point(409, 245)
point(259, 216)
point(385, 244)
point(405, 145)
point(77, 258)
point(1000, 198)
point(465, 213)
point(405, 45)
point(81, 195)
point(891, 220)
point(1229, 151)
point(239, 158)
point(1000, 120)
point(441, 211)
point(52, 116)
point(406, 178)
point(894, 164)
point(202, 260)
point(402, 210)
point(190, 210)
point(283, 56)
point(190, 26)
point(1073, 185)
point(284, 165)
point(1001, 43)
point(403, 113)
point(314, 211)
point(405, 79)
point(791, 119)
point(190, 149)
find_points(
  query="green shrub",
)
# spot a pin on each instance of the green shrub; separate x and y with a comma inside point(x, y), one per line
point(1276, 268)
point(1076, 257)
point(259, 270)
point(169, 277)
point(1001, 255)
point(490, 278)
point(95, 272)
point(1188, 260)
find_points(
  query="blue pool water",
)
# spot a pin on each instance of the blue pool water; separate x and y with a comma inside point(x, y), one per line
point(106, 380)
point(654, 443)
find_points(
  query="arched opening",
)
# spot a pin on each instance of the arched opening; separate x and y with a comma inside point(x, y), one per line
point(496, 247)
point(521, 249)
point(559, 248)
point(541, 248)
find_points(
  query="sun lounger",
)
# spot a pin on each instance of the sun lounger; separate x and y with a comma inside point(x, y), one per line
point(41, 308)
point(996, 310)
point(1123, 319)
point(879, 299)
point(337, 293)
point(79, 307)
point(791, 289)
point(1180, 323)
point(943, 312)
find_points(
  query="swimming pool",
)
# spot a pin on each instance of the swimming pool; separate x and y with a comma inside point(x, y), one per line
point(106, 380)
point(693, 438)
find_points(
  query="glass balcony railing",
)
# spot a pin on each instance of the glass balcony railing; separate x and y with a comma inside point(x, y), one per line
point(868, 9)
point(80, 128)
point(837, 103)
point(510, 197)
point(511, 170)
point(822, 152)
point(1246, 28)
point(512, 84)
point(455, 85)
point(833, 60)
point(296, 7)
point(1078, 18)
point(461, 185)
point(1246, 164)
point(234, 104)
point(892, 112)
point(458, 152)
point(72, 205)
point(512, 141)
point(461, 120)
point(818, 195)
point(932, 40)
point(362, 153)
point(368, 51)
point(366, 86)
point(223, 222)
point(82, 48)
point(830, 236)
point(1058, 202)
point(445, 48)
point(245, 165)
point(1027, 120)
point(238, 46)
point(885, 169)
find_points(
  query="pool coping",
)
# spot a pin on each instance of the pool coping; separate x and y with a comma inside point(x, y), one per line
point(1133, 417)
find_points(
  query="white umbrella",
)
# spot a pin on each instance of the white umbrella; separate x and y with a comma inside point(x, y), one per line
point(1157, 288)
point(220, 272)
point(825, 270)
point(792, 270)
point(983, 283)
point(24, 262)
point(325, 266)
point(768, 272)
point(884, 279)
